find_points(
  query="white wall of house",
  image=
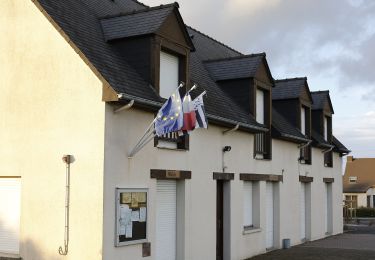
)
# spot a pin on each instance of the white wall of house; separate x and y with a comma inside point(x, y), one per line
point(204, 158)
point(361, 198)
point(50, 106)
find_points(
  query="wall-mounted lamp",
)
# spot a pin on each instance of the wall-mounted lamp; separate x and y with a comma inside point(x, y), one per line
point(227, 148)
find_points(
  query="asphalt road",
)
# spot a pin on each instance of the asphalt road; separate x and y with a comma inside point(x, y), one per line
point(357, 243)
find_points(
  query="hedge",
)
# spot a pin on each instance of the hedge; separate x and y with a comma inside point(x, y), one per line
point(363, 212)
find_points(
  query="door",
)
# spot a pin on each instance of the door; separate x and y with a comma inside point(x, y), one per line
point(10, 204)
point(303, 211)
point(166, 212)
point(269, 214)
point(220, 220)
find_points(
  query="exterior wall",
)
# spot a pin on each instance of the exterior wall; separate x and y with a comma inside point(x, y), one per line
point(205, 157)
point(361, 198)
point(50, 106)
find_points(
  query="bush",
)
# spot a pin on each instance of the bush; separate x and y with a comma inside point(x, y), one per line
point(363, 212)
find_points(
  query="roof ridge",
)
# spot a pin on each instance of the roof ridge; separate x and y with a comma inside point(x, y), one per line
point(238, 57)
point(147, 9)
point(209, 37)
point(320, 91)
point(140, 3)
point(290, 79)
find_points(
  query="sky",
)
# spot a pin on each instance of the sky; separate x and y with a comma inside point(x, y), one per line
point(332, 43)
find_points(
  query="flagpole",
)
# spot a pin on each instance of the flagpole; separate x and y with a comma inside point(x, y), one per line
point(132, 152)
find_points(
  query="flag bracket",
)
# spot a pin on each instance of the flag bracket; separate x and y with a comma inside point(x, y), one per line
point(125, 107)
point(231, 130)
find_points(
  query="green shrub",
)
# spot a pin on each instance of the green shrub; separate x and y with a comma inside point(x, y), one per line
point(363, 212)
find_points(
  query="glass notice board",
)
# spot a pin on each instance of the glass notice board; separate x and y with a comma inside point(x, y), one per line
point(131, 216)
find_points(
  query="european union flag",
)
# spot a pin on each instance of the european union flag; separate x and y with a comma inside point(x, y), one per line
point(170, 117)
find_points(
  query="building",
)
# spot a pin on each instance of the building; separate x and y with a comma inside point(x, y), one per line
point(359, 182)
point(86, 77)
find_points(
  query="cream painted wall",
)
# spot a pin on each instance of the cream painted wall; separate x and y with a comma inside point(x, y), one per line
point(204, 158)
point(50, 105)
point(361, 198)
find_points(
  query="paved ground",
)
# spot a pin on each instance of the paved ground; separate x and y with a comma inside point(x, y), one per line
point(357, 243)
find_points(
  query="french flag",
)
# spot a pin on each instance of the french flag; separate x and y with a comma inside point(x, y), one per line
point(189, 114)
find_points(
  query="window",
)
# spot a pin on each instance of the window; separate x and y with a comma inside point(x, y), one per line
point(251, 205)
point(169, 81)
point(262, 142)
point(303, 120)
point(352, 179)
point(325, 128)
point(368, 201)
point(169, 74)
point(328, 159)
point(351, 201)
point(260, 106)
point(248, 205)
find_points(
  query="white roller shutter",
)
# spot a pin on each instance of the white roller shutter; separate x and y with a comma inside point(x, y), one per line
point(166, 220)
point(303, 120)
point(269, 214)
point(303, 211)
point(248, 203)
point(168, 74)
point(10, 203)
point(326, 208)
point(260, 106)
point(325, 128)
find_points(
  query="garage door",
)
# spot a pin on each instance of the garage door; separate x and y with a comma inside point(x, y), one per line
point(303, 211)
point(10, 197)
point(166, 220)
point(269, 214)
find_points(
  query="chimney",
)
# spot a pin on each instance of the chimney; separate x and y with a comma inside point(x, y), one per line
point(349, 158)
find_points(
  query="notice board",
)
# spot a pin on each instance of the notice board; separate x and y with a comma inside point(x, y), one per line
point(131, 216)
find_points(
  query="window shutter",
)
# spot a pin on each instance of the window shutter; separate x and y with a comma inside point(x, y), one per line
point(169, 68)
point(260, 106)
point(248, 204)
point(303, 120)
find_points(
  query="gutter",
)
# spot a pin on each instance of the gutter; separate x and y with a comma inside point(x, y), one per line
point(210, 117)
point(295, 137)
point(329, 149)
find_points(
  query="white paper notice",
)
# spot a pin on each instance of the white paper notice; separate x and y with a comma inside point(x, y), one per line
point(123, 210)
point(122, 230)
point(142, 214)
point(129, 230)
point(135, 215)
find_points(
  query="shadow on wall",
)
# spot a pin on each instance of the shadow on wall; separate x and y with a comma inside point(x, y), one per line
point(29, 249)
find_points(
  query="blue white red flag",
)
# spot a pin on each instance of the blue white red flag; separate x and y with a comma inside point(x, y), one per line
point(189, 113)
point(170, 116)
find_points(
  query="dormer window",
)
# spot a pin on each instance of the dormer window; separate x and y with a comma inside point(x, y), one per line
point(353, 179)
point(169, 74)
point(262, 144)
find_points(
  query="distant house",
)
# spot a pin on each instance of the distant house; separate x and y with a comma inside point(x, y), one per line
point(359, 182)
point(87, 77)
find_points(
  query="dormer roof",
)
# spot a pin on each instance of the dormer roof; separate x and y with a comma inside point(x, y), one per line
point(239, 67)
point(142, 22)
point(291, 88)
point(283, 129)
point(322, 101)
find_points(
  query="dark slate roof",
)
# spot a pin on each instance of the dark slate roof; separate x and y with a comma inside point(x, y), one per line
point(319, 140)
point(243, 66)
point(284, 129)
point(288, 88)
point(339, 147)
point(320, 98)
point(136, 23)
point(81, 22)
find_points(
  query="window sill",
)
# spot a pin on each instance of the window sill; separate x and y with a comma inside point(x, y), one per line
point(172, 149)
point(251, 230)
